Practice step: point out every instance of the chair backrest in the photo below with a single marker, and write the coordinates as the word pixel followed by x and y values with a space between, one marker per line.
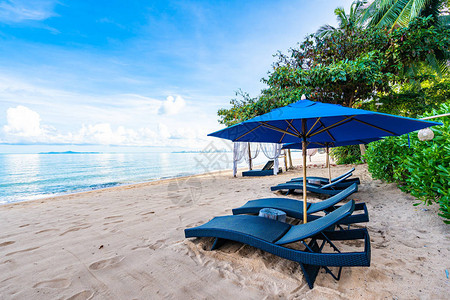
pixel 299 232
pixel 335 182
pixel 322 205
pixel 268 165
pixel 342 175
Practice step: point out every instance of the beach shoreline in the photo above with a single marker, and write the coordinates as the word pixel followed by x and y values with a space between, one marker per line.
pixel 318 159
pixel 128 243
pixel 119 187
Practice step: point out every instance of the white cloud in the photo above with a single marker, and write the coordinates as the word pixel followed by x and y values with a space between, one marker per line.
pixel 23 122
pixel 163 131
pixel 16 11
pixel 184 133
pixel 172 106
pixel 24 126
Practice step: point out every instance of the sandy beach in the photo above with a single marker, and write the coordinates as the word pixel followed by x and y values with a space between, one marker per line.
pixel 128 243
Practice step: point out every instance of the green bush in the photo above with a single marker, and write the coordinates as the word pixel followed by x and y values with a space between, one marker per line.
pixel 346 155
pixel 384 157
pixel 422 169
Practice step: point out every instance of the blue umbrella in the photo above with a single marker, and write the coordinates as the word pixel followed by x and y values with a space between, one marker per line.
pixel 315 122
pixel 327 145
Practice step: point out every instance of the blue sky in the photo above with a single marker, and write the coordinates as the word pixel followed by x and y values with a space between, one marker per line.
pixel 136 75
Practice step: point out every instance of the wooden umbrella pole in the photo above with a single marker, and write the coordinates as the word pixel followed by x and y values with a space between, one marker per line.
pixel 290 158
pixel 304 181
pixel 250 166
pixel 328 163
pixel 304 145
pixel 285 159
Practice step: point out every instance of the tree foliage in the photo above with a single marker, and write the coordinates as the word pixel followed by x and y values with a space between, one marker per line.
pixel 399 13
pixel 411 99
pixel 345 67
pixel 392 14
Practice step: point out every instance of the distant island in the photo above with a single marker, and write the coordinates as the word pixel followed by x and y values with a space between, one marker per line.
pixel 70 152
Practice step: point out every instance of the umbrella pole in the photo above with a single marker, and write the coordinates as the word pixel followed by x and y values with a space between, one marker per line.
pixel 250 164
pixel 304 145
pixel 328 163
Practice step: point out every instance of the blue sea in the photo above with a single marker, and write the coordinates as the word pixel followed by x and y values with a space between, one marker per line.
pixel 33 176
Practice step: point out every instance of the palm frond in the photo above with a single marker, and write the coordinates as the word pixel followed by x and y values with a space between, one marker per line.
pixel 417 7
pixel 356 10
pixel 434 64
pixel 369 11
pixel 341 17
pixel 432 8
pixel 381 9
pixel 325 30
pixel 444 66
pixel 403 18
pixel 391 14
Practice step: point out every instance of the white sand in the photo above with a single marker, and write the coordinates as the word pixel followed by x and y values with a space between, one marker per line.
pixel 128 243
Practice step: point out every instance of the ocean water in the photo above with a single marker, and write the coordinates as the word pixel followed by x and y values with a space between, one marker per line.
pixel 33 176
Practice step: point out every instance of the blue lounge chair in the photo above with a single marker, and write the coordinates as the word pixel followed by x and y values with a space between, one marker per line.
pixel 267 170
pixel 294 208
pixel 271 236
pixel 322 180
pixel 328 189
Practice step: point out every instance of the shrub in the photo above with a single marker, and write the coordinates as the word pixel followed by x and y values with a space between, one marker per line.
pixel 422 169
pixel 384 157
pixel 346 154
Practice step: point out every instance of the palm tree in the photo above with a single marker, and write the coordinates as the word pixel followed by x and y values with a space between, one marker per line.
pixel 345 22
pixel 398 13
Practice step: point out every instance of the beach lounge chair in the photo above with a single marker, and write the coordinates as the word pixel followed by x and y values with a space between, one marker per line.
pixel 322 180
pixel 272 236
pixel 328 189
pixel 267 170
pixel 294 208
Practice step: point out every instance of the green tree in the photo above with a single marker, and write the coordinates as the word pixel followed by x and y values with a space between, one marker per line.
pixel 411 99
pixel 344 67
pixel 400 13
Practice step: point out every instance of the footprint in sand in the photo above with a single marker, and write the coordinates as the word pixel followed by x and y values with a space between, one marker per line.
pixel 112 217
pixel 101 264
pixel 158 244
pixel 113 222
pixel 84 295
pixel 46 230
pixel 74 229
pixel 20 251
pixel 376 275
pixel 6 243
pixel 54 283
pixel 140 247
pixel 148 213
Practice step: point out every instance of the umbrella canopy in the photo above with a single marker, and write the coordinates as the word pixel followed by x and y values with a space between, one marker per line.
pixel 315 122
pixel 319 122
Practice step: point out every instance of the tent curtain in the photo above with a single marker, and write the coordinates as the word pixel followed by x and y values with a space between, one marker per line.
pixel 253 154
pixel 239 151
pixel 272 151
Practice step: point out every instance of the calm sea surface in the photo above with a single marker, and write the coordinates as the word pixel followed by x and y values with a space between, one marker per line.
pixel 33 176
